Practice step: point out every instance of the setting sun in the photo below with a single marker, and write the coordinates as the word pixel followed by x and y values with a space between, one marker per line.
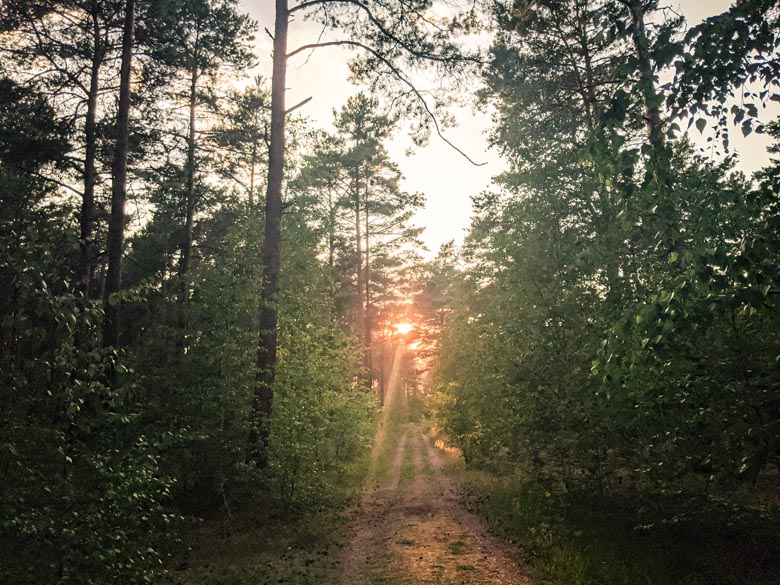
pixel 403 328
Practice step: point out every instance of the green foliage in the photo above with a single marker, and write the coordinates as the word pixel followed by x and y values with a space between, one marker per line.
pixel 29 134
pixel 730 55
pixel 696 361
pixel 586 540
pixel 199 37
pixel 103 453
pixel 322 421
pixel 199 360
pixel 352 188
pixel 610 330
pixel 83 500
pixel 615 329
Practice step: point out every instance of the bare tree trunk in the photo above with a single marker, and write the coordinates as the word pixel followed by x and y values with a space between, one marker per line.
pixel 116 225
pixel 253 164
pixel 647 79
pixel 186 249
pixel 589 91
pixel 331 243
pixel 87 247
pixel 272 247
pixel 360 321
pixel 367 314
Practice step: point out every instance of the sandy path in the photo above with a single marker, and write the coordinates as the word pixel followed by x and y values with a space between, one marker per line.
pixel 410 528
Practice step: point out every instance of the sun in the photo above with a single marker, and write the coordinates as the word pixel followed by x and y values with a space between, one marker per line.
pixel 403 328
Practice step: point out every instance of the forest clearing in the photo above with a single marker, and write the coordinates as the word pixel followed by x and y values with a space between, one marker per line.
pixel 389 292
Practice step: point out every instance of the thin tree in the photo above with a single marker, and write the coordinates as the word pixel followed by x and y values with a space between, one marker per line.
pixel 116 226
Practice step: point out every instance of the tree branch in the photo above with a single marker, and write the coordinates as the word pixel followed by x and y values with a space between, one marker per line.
pixel 398 75
pixel 296 106
pixel 387 33
pixel 309 4
pixel 56 182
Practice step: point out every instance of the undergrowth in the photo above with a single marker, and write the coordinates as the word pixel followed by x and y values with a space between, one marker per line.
pixel 265 544
pixel 588 540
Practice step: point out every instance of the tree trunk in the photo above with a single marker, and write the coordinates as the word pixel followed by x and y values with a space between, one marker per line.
pixel 589 91
pixel 266 351
pixel 116 225
pixel 647 79
pixel 367 314
pixel 253 164
pixel 358 243
pixel 331 244
pixel 359 269
pixel 664 223
pixel 186 249
pixel 87 248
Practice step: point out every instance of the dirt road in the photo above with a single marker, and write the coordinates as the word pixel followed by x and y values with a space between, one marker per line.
pixel 410 527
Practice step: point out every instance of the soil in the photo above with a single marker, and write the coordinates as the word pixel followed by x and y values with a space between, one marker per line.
pixel 411 527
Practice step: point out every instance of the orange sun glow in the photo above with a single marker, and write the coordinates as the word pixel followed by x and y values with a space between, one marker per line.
pixel 403 328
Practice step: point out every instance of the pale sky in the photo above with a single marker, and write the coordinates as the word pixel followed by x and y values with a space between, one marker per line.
pixel 445 177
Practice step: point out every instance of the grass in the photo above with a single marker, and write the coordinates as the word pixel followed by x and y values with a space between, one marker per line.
pixel 408 469
pixel 384 451
pixel 585 541
pixel 466 568
pixel 457 547
pixel 415 408
pixel 399 417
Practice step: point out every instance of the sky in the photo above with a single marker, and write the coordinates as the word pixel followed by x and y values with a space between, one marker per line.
pixel 444 176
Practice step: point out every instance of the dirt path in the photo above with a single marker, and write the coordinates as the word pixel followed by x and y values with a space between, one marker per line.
pixel 410 527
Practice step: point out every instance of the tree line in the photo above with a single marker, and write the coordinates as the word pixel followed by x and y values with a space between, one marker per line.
pixel 614 332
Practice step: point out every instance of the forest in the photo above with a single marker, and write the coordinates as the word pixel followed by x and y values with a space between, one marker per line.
pixel 227 357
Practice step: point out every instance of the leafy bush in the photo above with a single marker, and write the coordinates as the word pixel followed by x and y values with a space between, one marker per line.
pixel 322 419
